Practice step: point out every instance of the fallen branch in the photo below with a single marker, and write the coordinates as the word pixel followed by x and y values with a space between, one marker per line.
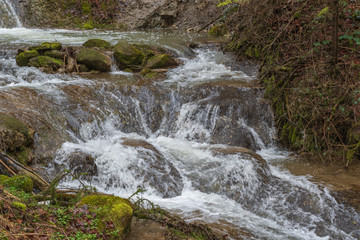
pixel 11 167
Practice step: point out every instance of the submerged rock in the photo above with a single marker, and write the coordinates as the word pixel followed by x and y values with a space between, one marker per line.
pixel 94 59
pixel 128 56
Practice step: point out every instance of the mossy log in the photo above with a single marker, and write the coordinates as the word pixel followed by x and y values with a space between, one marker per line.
pixel 11 167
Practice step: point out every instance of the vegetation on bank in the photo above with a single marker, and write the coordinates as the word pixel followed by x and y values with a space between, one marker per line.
pixel 309 57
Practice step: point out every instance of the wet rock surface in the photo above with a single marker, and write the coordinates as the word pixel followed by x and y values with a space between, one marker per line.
pixel 159 173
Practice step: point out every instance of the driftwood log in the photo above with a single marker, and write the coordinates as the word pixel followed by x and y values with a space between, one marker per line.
pixel 11 167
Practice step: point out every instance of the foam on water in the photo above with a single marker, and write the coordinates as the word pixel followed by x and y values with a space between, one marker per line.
pixel 210 181
pixel 207 66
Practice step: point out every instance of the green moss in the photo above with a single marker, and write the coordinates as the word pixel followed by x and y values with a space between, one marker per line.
pixel 323 13
pixel 3 178
pixel 161 61
pixel 15 124
pixel 128 56
pixel 46 62
pixel 99 43
pixel 86 7
pixel 94 59
pixel 23 155
pixel 19 182
pixel 114 209
pixel 23 58
pixel 47 46
pixel 19 206
pixel 87 26
pixel 218 31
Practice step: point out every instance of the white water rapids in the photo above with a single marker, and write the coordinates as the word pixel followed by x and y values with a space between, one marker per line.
pixel 186 159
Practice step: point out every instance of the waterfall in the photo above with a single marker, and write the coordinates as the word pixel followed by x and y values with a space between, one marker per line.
pixel 8 16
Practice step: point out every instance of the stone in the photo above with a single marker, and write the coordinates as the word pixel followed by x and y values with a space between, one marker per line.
pixel 94 59
pixel 112 209
pixel 80 163
pixel 55 54
pixel 46 62
pixel 23 58
pixel 128 56
pixel 161 61
pixel 16 138
pixel 98 43
pixel 47 46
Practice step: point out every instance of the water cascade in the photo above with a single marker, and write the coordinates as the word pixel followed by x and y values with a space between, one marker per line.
pixel 8 17
pixel 201 142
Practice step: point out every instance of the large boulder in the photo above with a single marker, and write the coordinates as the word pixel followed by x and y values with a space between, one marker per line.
pixel 23 58
pixel 161 61
pixel 98 43
pixel 113 210
pixel 94 59
pixel 46 62
pixel 128 56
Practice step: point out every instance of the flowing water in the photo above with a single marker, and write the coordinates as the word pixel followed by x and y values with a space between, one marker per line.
pixel 183 139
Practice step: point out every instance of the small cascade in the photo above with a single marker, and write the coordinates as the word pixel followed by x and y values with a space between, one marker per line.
pixel 8 17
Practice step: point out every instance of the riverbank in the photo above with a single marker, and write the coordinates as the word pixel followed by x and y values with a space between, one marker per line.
pixel 311 80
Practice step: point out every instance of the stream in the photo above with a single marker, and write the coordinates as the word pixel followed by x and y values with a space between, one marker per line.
pixel 202 142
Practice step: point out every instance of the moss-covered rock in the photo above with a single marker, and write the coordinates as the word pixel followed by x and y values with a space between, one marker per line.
pixel 19 182
pixel 47 46
pixel 23 58
pixel 99 43
pixel 94 59
pixel 46 62
pixel 113 209
pixel 15 137
pixel 13 133
pixel 218 31
pixel 161 61
pixel 128 56
pixel 55 54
